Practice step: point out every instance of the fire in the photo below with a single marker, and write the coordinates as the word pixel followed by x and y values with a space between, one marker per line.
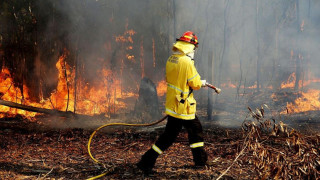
pixel 74 94
pixel 9 92
pixel 130 57
pixel 60 99
pixel 127 39
pixel 290 82
pixel 228 85
pixel 102 98
pixel 309 101
pixel 162 88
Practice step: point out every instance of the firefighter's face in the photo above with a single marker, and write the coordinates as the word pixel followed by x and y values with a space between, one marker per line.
pixel 191 54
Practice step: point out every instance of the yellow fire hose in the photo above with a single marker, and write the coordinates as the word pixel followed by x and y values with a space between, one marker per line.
pixel 114 124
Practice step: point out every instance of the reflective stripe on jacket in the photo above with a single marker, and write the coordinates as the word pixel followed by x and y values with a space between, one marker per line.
pixel 181 76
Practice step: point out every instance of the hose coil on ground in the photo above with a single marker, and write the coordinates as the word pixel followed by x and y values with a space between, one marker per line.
pixel 114 124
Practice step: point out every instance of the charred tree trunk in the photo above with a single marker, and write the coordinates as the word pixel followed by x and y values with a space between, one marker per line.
pixel 309 9
pixel 36 109
pixel 147 105
pixel 298 72
pixel 210 78
pixel 225 41
pixel 275 69
pixel 241 54
pixel 258 47
pixel 174 18
pixel 75 80
pixel 67 83
pixel 299 55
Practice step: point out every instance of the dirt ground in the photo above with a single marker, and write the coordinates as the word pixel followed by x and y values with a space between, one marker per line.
pixel 29 151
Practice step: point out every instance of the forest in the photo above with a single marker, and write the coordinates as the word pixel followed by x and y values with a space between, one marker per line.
pixel 69 67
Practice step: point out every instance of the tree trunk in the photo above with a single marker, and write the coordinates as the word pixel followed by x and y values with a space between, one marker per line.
pixel 147 104
pixel 67 83
pixel 225 34
pixel 75 80
pixel 258 47
pixel 299 55
pixel 309 9
pixel 174 18
pixel 52 112
pixel 35 109
pixel 240 53
pixel 210 78
pixel 225 42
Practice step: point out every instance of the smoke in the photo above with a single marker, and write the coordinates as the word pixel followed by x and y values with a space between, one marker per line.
pixel 246 41
pixel 279 35
pixel 236 35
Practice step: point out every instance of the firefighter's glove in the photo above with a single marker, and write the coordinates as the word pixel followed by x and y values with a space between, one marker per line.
pixel 203 83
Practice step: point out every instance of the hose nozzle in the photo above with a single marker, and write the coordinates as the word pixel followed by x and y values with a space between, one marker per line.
pixel 217 90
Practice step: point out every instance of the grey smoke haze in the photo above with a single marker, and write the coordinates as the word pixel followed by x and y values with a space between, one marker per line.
pixel 230 29
pixel 228 26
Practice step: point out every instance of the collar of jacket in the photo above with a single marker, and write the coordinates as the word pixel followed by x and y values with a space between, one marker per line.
pixel 183 47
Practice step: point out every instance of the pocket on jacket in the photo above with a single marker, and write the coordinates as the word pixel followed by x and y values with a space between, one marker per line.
pixel 182 105
pixel 191 105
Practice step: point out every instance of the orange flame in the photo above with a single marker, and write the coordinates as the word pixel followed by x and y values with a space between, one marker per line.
pixel 60 99
pixel 228 85
pixel 103 98
pixel 290 82
pixel 9 92
pixel 127 39
pixel 309 101
pixel 162 88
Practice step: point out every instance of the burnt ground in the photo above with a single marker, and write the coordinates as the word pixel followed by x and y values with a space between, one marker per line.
pixel 32 151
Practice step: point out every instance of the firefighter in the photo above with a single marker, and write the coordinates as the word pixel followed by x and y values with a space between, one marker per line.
pixel 182 78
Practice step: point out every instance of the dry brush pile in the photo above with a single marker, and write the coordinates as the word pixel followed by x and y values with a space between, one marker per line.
pixel 276 150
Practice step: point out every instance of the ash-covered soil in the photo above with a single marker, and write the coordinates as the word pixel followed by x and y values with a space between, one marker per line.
pixel 31 152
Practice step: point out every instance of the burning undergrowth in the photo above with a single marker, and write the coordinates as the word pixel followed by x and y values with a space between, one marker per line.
pixel 73 94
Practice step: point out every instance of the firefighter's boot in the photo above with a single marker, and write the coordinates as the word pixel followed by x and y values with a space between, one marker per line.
pixel 147 161
pixel 199 156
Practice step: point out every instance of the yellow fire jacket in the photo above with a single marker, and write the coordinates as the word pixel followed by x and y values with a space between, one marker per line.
pixel 181 77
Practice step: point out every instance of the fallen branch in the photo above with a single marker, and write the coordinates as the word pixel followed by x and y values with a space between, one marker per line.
pixel 43 110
